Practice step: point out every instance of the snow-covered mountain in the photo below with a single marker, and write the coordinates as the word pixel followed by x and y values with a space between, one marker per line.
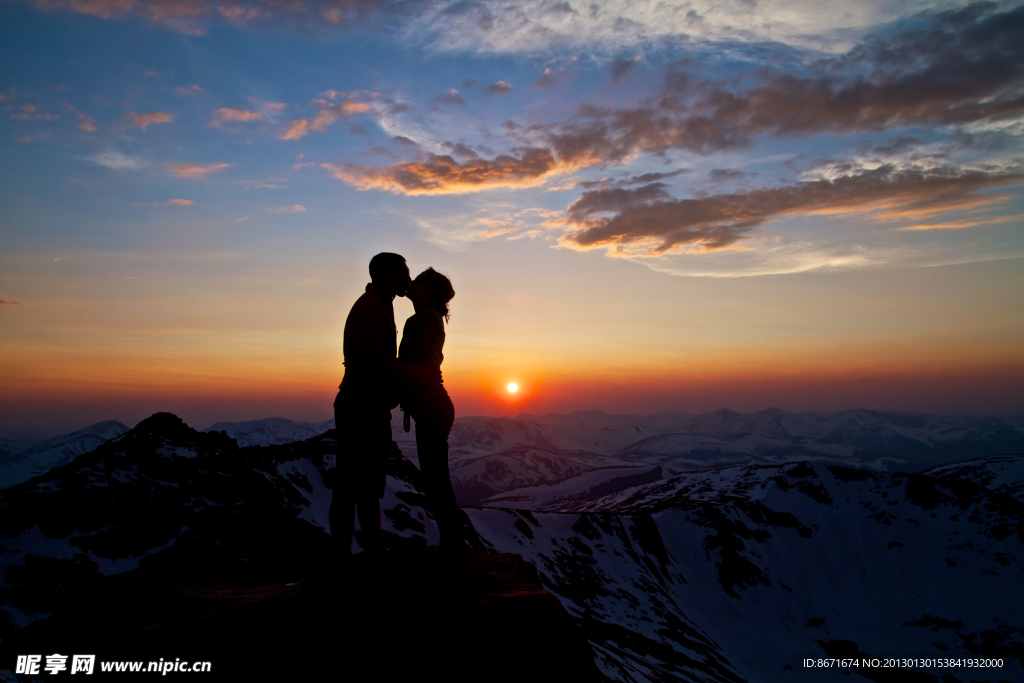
pixel 525 462
pixel 720 574
pixel 998 473
pixel 271 431
pixel 21 460
pixel 740 573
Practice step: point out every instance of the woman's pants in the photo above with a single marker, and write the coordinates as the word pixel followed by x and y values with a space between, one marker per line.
pixel 434 421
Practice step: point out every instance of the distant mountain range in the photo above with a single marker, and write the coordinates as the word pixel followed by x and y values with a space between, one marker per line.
pixel 726 571
pixel 21 459
pixel 549 462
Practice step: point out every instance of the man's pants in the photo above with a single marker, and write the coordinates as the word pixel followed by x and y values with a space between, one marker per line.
pixel 364 439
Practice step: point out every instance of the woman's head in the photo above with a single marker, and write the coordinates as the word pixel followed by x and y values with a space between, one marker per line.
pixel 435 289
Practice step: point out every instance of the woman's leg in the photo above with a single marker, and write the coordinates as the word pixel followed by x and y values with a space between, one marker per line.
pixel 432 446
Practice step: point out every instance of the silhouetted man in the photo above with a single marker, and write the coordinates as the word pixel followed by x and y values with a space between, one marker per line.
pixel 362 410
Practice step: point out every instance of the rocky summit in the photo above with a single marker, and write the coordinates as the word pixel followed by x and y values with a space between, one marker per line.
pixel 170 543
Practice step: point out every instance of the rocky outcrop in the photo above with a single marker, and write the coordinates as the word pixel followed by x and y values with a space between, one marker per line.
pixel 402 616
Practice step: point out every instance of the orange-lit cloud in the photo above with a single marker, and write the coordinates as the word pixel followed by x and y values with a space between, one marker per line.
pixel 296 130
pixel 5 302
pixel 143 121
pixel 649 221
pixel 30 112
pixel 444 175
pixel 969 223
pixel 181 15
pixel 194 170
pixel 226 115
pixel 88 124
pixel 328 114
pixel 169 202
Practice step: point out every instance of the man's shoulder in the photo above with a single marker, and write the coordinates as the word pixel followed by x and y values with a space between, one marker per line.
pixel 369 303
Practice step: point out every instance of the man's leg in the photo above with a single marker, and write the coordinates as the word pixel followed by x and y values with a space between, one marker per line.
pixel 342 513
pixel 342 516
pixel 368 510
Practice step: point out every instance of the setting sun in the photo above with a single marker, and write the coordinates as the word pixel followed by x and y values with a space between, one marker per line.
pixel 512 387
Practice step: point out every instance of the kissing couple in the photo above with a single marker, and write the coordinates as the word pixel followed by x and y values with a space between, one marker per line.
pixel 380 375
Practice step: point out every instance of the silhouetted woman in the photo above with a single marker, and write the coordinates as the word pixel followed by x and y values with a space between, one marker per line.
pixel 428 403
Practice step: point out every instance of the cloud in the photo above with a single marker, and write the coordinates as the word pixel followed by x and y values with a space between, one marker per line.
pixel 610 27
pixel 180 170
pixel 966 66
pixel 622 67
pixel 499 88
pixel 5 302
pixel 296 130
pixel 30 112
pixel 143 121
pixel 118 161
pixel 454 232
pixel 724 175
pixel 179 202
pixel 969 223
pixel 226 115
pixel 451 97
pixel 190 90
pixel 549 78
pixel 294 208
pixel 328 114
pixel 648 221
pixel 88 124
pixel 444 175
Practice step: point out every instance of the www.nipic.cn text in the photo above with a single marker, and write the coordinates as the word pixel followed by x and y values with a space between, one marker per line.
pixel 86 664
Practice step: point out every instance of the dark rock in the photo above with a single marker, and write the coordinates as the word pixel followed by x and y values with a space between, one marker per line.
pixel 402 616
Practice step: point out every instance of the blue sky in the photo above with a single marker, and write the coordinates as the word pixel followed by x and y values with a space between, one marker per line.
pixel 642 205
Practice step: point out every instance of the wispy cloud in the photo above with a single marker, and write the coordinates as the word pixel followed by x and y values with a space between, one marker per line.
pixel 294 208
pixel 536 26
pixel 190 90
pixel 169 202
pixel 226 115
pixel 118 162
pixel 5 302
pixel 649 221
pixel 181 170
pixel 967 223
pixel 143 121
pixel 454 232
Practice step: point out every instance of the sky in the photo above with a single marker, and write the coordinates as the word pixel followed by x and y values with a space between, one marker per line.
pixel 642 206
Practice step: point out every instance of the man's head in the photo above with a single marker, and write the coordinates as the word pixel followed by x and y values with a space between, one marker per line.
pixel 390 274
